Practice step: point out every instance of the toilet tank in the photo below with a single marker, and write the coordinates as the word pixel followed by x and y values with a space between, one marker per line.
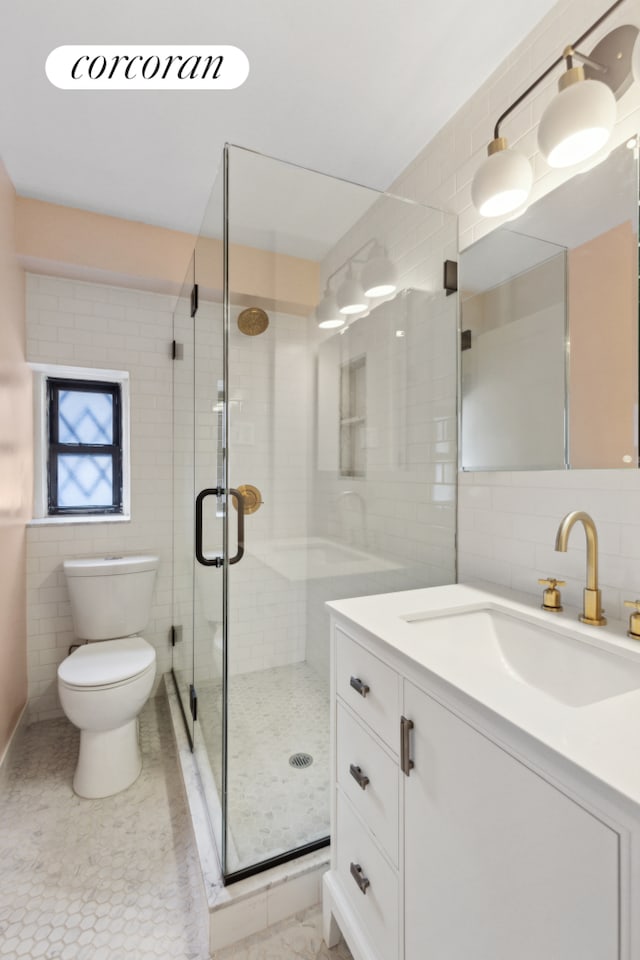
pixel 110 596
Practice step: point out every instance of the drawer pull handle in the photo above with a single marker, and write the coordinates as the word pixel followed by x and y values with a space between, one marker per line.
pixel 358 685
pixel 360 778
pixel 359 877
pixel 406 763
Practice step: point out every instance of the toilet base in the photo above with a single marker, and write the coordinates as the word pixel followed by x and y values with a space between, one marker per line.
pixel 109 761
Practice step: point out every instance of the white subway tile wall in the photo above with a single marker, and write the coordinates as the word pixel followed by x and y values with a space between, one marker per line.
pixel 271 393
pixel 401 513
pixel 270 416
pixel 93 325
pixel 507 525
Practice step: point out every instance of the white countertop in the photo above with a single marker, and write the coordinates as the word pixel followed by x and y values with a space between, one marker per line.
pixel 601 738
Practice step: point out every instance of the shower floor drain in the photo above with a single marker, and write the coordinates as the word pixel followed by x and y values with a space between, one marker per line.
pixel 301 760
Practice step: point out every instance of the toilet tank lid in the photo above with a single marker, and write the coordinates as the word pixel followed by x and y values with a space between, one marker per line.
pixel 107 661
pixel 109 566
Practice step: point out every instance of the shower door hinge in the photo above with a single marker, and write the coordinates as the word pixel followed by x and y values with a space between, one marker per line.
pixel 176 635
pixel 193 701
pixel 465 339
pixel 450 276
pixel 177 350
pixel 194 300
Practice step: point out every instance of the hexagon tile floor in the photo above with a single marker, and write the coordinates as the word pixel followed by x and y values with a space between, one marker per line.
pixel 97 879
pixel 113 879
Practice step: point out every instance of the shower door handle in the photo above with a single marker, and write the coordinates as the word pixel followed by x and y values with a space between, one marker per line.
pixel 217 492
pixel 200 557
pixel 240 504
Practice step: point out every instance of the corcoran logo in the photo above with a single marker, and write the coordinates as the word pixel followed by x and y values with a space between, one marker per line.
pixel 96 67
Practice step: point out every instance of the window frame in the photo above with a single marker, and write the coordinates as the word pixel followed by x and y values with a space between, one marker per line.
pixel 102 378
pixel 55 386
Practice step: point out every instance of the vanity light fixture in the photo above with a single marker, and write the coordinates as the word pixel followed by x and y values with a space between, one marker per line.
pixel 377 278
pixel 575 125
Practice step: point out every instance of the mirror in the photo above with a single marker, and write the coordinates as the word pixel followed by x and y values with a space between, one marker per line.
pixel 549 310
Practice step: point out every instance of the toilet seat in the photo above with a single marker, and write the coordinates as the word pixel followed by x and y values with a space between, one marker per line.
pixel 107 663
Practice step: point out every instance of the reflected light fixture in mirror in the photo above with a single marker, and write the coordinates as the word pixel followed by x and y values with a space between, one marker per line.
pixel 350 295
pixel 377 279
pixel 575 125
pixel 379 274
pixel 327 313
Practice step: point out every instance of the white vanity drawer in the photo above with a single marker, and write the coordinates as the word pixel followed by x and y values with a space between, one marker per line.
pixel 369 686
pixel 369 778
pixel 376 908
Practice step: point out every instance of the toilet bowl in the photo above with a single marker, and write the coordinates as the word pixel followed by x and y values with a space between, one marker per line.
pixel 103 686
pixel 106 681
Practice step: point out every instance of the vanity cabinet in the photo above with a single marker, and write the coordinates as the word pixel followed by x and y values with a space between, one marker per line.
pixel 498 863
pixel 449 847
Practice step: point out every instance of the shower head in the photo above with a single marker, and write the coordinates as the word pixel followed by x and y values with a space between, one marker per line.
pixel 252 321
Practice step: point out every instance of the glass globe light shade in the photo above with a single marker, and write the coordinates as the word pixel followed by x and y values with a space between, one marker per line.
pixel 503 182
pixel 578 121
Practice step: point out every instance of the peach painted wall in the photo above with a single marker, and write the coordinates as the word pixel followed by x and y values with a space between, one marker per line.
pixel 66 242
pixel 603 356
pixel 15 471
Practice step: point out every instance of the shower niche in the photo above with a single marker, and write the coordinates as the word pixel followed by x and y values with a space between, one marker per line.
pixel 320 449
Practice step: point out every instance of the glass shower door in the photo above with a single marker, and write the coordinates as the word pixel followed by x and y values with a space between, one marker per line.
pixel 342 442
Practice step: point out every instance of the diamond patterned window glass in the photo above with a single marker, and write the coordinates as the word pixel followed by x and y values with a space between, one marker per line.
pixel 85 447
pixel 85 417
pixel 85 481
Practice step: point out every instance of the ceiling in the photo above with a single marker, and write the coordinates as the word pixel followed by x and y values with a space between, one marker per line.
pixel 354 89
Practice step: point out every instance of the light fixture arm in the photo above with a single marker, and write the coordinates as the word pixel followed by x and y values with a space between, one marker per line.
pixel 594 64
pixel 352 259
pixel 567 55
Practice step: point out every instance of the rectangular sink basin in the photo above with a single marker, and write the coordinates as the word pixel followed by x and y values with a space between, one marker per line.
pixel 493 643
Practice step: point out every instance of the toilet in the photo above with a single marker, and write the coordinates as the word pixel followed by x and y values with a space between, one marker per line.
pixel 106 681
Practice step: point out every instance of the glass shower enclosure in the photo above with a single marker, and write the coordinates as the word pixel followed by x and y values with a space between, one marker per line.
pixel 314 459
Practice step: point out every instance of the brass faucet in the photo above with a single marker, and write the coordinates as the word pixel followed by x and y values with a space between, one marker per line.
pixel 592 604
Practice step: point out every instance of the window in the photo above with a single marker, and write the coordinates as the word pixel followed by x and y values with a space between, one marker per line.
pixel 85 447
pixel 82 431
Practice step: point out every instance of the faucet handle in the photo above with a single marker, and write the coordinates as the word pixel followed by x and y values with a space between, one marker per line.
pixel 551 599
pixel 634 619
